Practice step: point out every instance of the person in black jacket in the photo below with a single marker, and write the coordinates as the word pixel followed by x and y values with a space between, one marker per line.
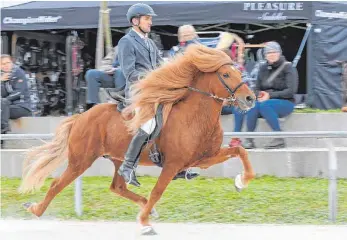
pixel 15 98
pixel 275 96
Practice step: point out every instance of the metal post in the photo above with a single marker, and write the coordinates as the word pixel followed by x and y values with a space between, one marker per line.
pixel 68 80
pixel 332 181
pixel 78 196
pixel 303 42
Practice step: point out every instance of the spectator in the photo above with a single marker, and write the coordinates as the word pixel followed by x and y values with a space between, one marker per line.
pixel 250 79
pixel 186 35
pixel 277 82
pixel 109 76
pixel 238 115
pixel 15 97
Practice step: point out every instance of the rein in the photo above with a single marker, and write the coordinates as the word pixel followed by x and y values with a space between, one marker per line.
pixel 232 97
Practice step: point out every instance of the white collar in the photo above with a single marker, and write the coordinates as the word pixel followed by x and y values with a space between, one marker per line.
pixel 141 35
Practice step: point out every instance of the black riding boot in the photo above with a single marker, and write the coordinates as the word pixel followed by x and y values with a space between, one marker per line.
pixel 89 106
pixel 127 169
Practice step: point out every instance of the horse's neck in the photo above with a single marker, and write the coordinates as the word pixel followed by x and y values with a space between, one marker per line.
pixel 204 108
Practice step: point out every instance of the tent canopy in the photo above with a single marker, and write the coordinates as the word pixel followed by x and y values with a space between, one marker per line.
pixel 47 15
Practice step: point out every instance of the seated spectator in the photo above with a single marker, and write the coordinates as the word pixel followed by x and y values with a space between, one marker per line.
pixel 186 35
pixel 238 115
pixel 250 80
pixel 276 84
pixel 15 97
pixel 108 76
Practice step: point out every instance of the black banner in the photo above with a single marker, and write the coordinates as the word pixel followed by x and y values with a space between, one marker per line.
pixel 82 15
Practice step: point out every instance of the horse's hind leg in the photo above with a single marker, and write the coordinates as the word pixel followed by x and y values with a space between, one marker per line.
pixel 119 187
pixel 226 153
pixel 69 175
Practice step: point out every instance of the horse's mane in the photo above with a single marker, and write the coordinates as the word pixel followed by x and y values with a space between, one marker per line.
pixel 167 84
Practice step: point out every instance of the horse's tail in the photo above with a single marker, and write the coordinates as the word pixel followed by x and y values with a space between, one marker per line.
pixel 41 161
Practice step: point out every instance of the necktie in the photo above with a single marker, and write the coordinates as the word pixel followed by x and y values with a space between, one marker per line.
pixel 146 42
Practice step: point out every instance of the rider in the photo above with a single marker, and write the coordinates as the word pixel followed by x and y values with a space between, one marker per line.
pixel 138 53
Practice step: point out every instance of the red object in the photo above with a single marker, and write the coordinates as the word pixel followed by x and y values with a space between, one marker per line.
pixel 235 142
pixel 233 51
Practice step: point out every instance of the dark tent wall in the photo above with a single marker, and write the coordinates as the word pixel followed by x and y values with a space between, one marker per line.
pixel 327 44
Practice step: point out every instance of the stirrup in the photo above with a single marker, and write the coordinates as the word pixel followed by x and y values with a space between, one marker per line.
pixel 131 181
pixel 189 171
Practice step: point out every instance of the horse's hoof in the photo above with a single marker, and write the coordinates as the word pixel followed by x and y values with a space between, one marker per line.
pixel 239 186
pixel 154 213
pixel 148 231
pixel 28 205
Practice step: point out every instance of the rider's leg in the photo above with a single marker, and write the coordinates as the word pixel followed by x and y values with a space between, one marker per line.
pixel 132 156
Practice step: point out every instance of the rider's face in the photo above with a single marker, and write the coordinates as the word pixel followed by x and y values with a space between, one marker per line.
pixel 145 23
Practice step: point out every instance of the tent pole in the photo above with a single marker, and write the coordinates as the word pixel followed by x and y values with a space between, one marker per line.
pixel 303 42
pixel 99 53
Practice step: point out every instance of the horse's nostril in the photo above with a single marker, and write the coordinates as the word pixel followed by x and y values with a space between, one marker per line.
pixel 249 99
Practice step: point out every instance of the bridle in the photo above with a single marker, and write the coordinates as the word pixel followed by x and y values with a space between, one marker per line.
pixel 231 99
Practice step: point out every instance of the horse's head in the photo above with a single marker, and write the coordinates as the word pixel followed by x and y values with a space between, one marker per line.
pixel 229 85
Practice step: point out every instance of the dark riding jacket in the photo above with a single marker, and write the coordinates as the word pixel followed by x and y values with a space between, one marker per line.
pixel 136 57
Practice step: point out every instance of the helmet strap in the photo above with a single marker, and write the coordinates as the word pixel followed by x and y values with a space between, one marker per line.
pixel 138 25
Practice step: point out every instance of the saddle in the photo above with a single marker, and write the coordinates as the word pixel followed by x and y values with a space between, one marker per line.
pixel 154 154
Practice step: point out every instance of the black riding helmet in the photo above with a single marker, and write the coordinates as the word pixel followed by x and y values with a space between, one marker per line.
pixel 138 10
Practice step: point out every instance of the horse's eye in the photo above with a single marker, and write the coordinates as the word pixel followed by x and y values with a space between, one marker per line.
pixel 226 75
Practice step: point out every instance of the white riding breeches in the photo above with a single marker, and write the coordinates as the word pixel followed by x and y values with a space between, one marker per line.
pixel 148 126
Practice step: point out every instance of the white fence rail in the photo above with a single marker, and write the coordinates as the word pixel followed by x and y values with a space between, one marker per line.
pixel 303 134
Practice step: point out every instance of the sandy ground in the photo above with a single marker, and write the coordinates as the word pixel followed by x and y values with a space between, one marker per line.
pixel 66 230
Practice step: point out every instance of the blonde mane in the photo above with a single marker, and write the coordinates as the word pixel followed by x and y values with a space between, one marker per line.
pixel 167 84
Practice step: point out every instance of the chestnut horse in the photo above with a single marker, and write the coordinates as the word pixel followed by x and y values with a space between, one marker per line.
pixel 191 88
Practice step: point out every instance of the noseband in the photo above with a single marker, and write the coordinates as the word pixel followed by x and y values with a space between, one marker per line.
pixel 231 99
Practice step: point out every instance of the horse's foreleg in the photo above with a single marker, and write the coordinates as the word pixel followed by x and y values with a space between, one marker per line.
pixel 226 153
pixel 167 174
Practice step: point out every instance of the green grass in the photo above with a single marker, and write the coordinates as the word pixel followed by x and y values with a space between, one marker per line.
pixel 267 200
pixel 314 110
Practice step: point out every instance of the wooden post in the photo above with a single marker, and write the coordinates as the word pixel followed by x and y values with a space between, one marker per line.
pixel 107 29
